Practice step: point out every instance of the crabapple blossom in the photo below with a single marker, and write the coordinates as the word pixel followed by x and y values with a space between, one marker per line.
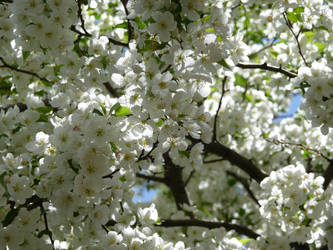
pixel 99 99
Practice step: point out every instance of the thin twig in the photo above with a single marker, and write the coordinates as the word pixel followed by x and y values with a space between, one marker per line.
pixel 129 28
pixel 145 157
pixel 49 233
pixel 299 145
pixel 112 174
pixel 189 177
pixel 264 66
pixel 219 106
pixel 290 26
pixel 79 14
pixel 245 184
pixel 263 48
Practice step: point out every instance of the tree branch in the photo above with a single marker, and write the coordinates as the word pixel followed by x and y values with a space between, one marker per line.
pixel 111 90
pixel 245 184
pixel 264 66
pixel 47 229
pixel 22 106
pixel 151 178
pixel 328 175
pixel 129 28
pixel 6 65
pixel 234 158
pixel 174 180
pixel 112 174
pixel 86 33
pixel 210 225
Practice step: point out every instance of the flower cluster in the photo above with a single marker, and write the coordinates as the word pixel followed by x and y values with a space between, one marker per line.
pixel 293 204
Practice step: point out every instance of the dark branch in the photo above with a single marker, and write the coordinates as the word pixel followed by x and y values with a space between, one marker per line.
pixel 219 106
pixel 147 156
pixel 151 178
pixel 174 180
pixel 234 158
pixel 115 42
pixel 85 33
pixel 111 90
pixel 245 184
pixel 22 106
pixel 129 28
pixel 79 14
pixel 112 174
pixel 264 66
pixel 210 225
pixel 328 175
pixel 47 229
pixel 6 65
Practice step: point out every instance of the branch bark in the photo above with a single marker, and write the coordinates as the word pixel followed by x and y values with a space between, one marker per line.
pixel 6 65
pixel 264 66
pixel 210 225
pixel 235 158
pixel 328 175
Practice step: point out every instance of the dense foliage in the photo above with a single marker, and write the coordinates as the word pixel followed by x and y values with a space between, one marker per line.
pixel 177 96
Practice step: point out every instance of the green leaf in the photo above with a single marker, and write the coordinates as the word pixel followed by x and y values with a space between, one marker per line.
pixel 249 97
pixel 45 109
pixel 10 216
pixel 245 241
pixel 56 69
pixel 46 83
pixel 273 53
pixel 321 47
pixel 123 111
pixel 309 35
pixel 240 80
pixel 25 54
pixel 292 17
pixel 121 25
pixel 159 123
pixel 184 153
pixel 223 63
pixel 114 107
pixel 96 111
pixel 103 107
pixel 114 147
pixel 295 15
pixel 122 178
pixel 246 22
pixel 40 93
pixel 141 25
